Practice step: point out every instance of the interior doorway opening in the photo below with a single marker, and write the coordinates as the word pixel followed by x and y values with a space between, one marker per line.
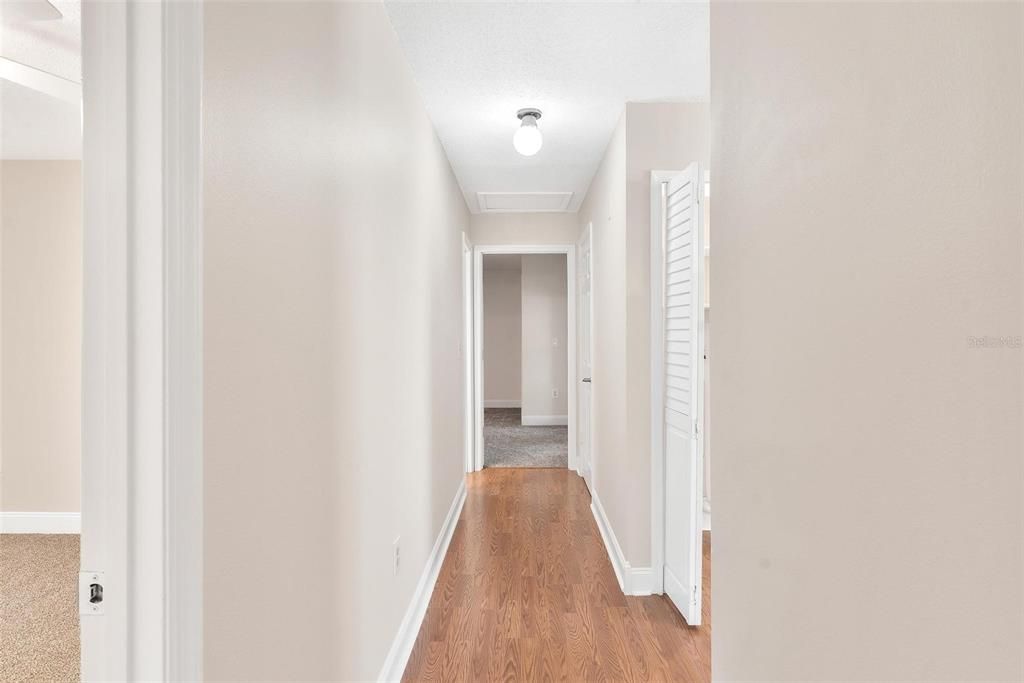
pixel 525 356
pixel 41 334
pixel 40 416
pixel 525 368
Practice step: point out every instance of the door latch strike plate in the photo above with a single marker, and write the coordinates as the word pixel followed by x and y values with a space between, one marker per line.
pixel 90 593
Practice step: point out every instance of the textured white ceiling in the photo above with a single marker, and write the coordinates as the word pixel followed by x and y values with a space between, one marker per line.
pixel 53 46
pixel 37 126
pixel 477 63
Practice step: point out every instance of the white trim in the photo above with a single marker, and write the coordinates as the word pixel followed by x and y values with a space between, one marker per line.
pixel 183 339
pixel 641 581
pixel 657 399
pixel 105 544
pixel 40 81
pixel 632 580
pixel 466 352
pixel 478 351
pixel 142 338
pixel 401 646
pixel 544 420
pixel 502 403
pixel 478 359
pixel 611 544
pixel 40 523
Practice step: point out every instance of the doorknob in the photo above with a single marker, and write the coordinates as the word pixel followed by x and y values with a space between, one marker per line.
pixel 586 379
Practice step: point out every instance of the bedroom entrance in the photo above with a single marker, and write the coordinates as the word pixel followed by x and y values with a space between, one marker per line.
pixel 525 346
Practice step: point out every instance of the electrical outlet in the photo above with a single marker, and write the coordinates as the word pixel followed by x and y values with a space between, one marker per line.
pixel 397 553
pixel 554 341
pixel 554 393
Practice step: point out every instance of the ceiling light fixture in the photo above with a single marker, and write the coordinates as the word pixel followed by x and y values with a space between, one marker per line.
pixel 527 139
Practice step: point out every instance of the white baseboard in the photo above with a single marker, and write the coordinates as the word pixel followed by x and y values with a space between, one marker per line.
pixel 502 403
pixel 707 515
pixel 40 523
pixel 544 420
pixel 632 580
pixel 641 581
pixel 401 647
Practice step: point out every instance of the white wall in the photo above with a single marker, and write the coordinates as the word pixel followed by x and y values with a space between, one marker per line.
pixel 41 326
pixel 332 320
pixel 650 136
pixel 867 165
pixel 502 329
pixel 545 329
pixel 523 228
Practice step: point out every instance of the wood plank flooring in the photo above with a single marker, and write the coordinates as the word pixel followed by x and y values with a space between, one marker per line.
pixel 527 592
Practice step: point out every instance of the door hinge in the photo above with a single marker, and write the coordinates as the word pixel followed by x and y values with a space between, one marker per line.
pixel 90 593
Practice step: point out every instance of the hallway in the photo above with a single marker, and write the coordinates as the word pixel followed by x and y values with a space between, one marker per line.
pixel 527 593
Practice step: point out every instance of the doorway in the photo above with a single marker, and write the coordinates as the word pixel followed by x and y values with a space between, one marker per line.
pixel 525 356
pixel 40 393
pixel 41 330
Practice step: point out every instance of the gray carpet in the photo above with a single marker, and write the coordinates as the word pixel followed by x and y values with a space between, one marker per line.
pixel 507 443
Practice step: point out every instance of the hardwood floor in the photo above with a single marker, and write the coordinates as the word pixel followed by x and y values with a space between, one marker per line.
pixel 527 592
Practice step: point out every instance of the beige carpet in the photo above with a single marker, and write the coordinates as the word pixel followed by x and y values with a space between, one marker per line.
pixel 39 639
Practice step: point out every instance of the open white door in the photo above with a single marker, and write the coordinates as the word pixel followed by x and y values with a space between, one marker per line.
pixel 584 272
pixel 466 349
pixel 681 386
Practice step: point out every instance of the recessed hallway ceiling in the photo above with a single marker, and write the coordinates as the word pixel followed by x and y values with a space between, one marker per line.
pixel 477 63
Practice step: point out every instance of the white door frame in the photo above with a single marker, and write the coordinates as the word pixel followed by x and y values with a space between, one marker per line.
pixel 657 387
pixel 478 335
pixel 588 235
pixel 142 340
pixel 468 353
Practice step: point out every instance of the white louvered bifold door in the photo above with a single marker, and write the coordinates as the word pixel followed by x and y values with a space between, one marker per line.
pixel 683 311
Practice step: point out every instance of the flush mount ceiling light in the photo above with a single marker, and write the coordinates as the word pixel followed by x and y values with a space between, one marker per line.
pixel 527 139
